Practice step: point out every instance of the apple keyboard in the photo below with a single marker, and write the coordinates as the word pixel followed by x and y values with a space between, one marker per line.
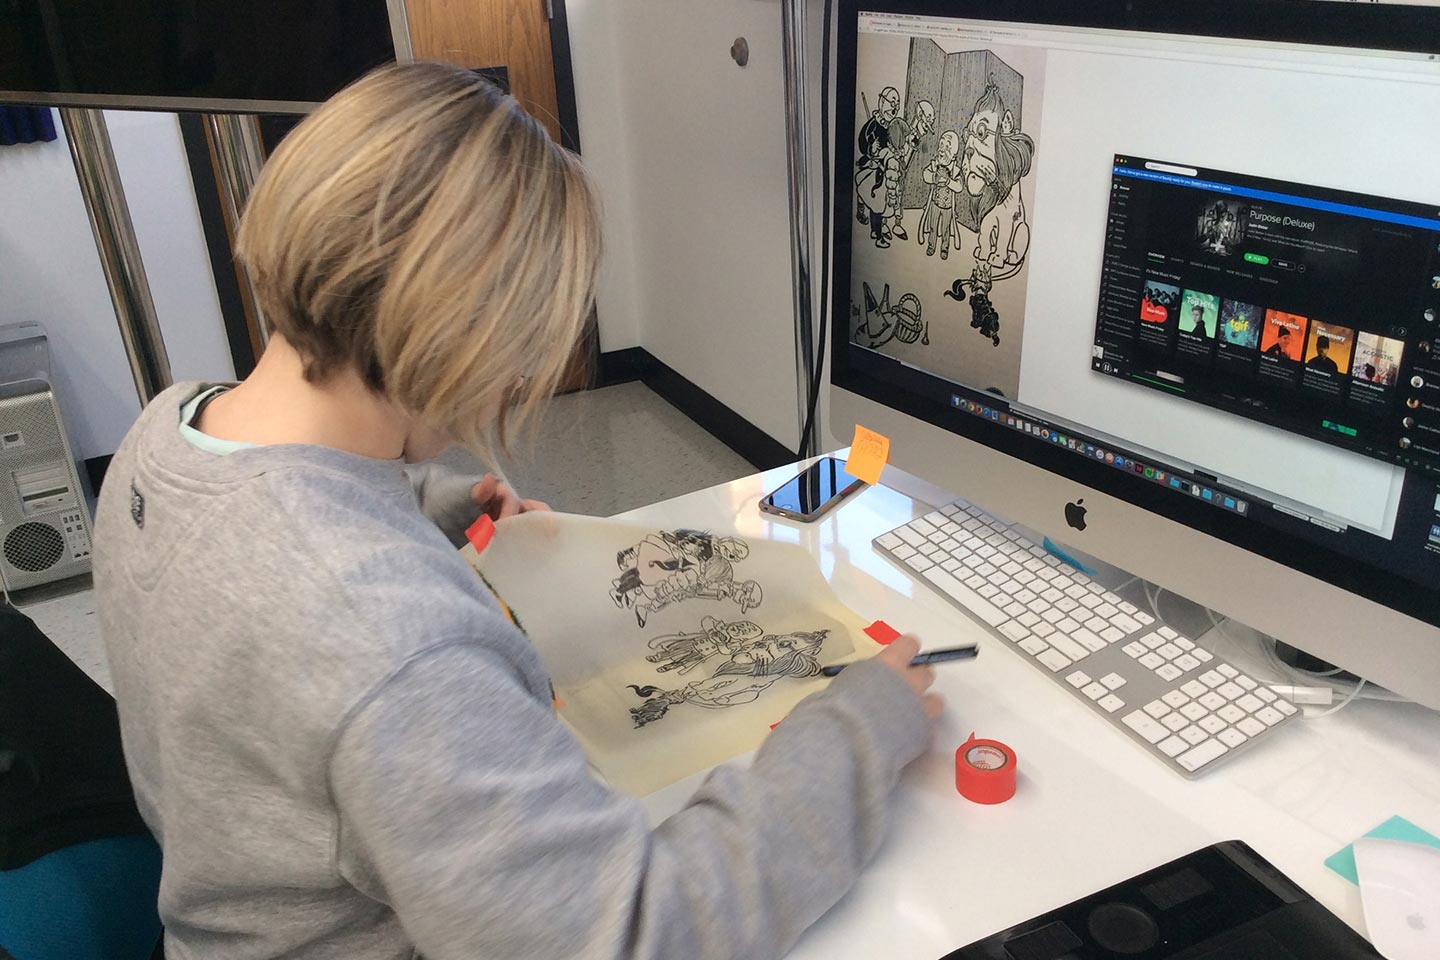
pixel 1177 700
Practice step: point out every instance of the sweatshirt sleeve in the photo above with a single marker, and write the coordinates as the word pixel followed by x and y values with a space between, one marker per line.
pixel 444 496
pixel 469 808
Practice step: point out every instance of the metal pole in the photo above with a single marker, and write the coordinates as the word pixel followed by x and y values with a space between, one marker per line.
pixel 239 155
pixel 797 155
pixel 119 250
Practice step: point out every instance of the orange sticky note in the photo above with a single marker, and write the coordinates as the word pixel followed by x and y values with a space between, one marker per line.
pixel 869 452
pixel 882 633
pixel 481 532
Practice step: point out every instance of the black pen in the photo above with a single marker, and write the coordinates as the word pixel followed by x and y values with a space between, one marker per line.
pixel 924 659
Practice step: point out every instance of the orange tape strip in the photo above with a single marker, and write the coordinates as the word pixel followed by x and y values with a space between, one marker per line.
pixel 481 532
pixel 882 633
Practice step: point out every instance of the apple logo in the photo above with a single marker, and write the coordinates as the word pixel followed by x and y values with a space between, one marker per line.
pixel 1075 514
pixel 1416 921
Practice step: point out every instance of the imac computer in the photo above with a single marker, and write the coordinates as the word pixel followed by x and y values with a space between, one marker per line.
pixel 1162 282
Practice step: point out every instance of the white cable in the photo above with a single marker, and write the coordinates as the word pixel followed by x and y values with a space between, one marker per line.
pixel 1340 706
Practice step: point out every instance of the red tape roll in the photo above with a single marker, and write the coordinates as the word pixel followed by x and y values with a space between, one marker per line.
pixel 985 771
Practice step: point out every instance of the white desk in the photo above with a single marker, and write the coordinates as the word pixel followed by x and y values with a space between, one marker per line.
pixel 1092 808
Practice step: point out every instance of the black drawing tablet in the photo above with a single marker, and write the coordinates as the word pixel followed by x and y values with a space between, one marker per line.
pixel 1225 902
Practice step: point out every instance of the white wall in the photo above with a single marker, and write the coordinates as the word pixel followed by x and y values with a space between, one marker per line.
pixel 690 153
pixel 50 272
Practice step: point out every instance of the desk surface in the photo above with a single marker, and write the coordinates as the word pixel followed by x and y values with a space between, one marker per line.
pixel 1092 808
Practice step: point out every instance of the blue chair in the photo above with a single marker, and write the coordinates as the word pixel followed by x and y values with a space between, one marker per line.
pixel 79 872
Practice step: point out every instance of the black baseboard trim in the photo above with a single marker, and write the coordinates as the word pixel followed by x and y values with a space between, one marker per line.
pixel 95 468
pixel 623 366
pixel 749 441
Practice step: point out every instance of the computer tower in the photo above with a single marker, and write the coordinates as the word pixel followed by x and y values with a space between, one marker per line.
pixel 45 526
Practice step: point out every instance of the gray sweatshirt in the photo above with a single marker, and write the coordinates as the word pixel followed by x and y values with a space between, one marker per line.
pixel 345 749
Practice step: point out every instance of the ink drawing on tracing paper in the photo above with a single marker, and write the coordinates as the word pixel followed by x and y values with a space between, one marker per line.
pixel 670 650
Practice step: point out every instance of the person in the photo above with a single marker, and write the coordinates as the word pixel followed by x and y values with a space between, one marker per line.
pixel 342 743
pixel 1320 361
pixel 1197 320
pixel 943 174
pixel 1281 347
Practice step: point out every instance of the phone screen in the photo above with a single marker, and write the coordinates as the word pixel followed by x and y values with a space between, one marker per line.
pixel 819 484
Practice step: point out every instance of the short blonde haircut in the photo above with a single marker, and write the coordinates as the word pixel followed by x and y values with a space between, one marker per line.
pixel 423 230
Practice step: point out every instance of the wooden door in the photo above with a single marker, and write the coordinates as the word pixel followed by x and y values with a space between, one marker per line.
pixel 514 34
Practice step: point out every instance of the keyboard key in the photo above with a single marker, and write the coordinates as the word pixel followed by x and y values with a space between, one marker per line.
pixel 1095 625
pixel 1230 713
pixel 1246 682
pixel 1169 672
pixel 938 537
pixel 1028 619
pixel 1251 726
pixel 1067 646
pixel 919 563
pixel 1193 711
pixel 1107 610
pixel 1206 752
pixel 1128 624
pixel 1062 582
pixel 1232 737
pixel 1156 709
pixel 1153 641
pixel 1176 699
pixel 1088 640
pixel 1135 649
pixel 910 536
pixel 1168 650
pixel 1175 721
pixel 1145 725
pixel 950 545
pixel 1014 631
pixel 1151 660
pixel 951 565
pixel 1090 601
pixel 1110 703
pixel 1095 690
pixel 1286 707
pixel 988 591
pixel 1249 703
pixel 1053 615
pixel 1212 701
pixel 1078 679
pixel 1269 716
pixel 889 541
pixel 1168 633
pixel 1193 735
pixel 1025 576
pixel 950 509
pixel 924 527
pixel 973 582
pixel 1229 671
pixel 1077 592
pixel 1011 568
pixel 1181 642
pixel 1096 589
pixel 1194 688
pixel 966 597
pixel 972 561
pixel 1186 663
pixel 1024 596
pixel 1066 604
pixel 1266 694
pixel 1211 679
pixel 1043 629
pixel 1034 646
pixel 1055 660
pixel 1014 609
pixel 1111 634
pixel 1173 746
pixel 1201 654
pixel 1113 681
pixel 985 570
pixel 931 550
pixel 1052 595
pixel 1067 626
pixel 1212 724
pixel 1144 618
pixel 1230 691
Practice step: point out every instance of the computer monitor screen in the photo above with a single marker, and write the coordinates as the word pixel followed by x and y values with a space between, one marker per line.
pixel 1188 255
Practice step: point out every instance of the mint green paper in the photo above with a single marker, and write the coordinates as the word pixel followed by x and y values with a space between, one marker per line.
pixel 1396 828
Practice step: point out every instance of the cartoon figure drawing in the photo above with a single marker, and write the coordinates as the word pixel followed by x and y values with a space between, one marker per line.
pixel 943 173
pixel 674 566
pixel 884 322
pixel 686 651
pixel 754 667
pixel 887 141
pixel 995 157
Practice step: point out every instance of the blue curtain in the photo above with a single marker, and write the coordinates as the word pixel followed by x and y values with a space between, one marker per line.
pixel 26 125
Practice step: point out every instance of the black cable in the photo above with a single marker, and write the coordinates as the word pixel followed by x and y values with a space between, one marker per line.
pixel 817 378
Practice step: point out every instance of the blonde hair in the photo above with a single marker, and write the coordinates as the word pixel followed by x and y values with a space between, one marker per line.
pixel 423 230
